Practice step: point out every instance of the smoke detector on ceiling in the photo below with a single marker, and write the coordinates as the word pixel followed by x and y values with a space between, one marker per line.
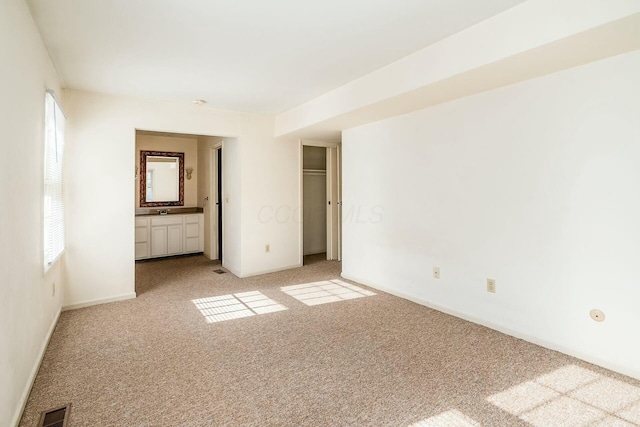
pixel 199 101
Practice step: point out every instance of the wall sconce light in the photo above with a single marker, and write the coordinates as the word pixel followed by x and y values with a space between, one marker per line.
pixel 189 172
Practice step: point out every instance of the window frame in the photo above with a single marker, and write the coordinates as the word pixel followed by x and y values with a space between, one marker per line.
pixel 53 195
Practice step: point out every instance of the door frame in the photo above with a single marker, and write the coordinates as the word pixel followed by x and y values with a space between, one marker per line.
pixel 336 198
pixel 214 227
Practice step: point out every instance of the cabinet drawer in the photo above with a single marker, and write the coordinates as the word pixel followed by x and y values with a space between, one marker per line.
pixel 192 230
pixel 192 219
pixel 142 234
pixel 142 250
pixel 142 222
pixel 167 220
pixel 192 244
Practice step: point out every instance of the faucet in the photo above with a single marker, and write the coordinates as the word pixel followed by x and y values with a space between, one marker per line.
pixel 163 211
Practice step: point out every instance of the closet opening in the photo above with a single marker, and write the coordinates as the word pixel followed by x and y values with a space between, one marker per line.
pixel 314 202
pixel 321 203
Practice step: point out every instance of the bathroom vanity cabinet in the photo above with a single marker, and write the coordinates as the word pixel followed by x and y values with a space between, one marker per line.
pixel 166 235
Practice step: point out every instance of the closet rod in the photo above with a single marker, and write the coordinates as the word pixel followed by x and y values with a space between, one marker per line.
pixel 315 171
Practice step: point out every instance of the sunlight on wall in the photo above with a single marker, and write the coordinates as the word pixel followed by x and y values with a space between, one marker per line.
pixel 235 306
pixel 575 395
pixel 451 418
pixel 325 292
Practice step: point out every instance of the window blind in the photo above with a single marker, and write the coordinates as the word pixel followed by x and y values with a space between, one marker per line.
pixel 53 181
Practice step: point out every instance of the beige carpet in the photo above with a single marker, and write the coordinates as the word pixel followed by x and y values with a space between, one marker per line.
pixel 333 355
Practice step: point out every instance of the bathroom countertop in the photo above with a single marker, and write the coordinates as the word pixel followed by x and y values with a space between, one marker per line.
pixel 172 211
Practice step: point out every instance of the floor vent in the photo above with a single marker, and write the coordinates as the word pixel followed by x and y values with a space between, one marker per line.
pixel 219 271
pixel 57 417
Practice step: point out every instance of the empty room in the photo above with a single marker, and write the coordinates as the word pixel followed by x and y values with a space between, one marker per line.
pixel 305 213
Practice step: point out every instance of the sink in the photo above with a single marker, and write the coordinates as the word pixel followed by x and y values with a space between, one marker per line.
pixel 167 211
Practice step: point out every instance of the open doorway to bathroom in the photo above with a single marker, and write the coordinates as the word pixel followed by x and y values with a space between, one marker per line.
pixel 178 198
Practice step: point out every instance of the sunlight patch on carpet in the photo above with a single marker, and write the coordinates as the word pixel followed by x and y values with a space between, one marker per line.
pixel 451 418
pixel 325 292
pixel 236 306
pixel 572 393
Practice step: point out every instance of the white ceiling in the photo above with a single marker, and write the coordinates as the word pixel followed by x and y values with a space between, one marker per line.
pixel 246 55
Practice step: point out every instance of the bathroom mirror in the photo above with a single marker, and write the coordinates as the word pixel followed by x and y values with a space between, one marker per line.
pixel 161 178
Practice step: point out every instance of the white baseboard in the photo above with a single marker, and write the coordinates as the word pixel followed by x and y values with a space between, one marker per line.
pixel 34 371
pixel 274 270
pixel 505 330
pixel 98 301
pixel 230 270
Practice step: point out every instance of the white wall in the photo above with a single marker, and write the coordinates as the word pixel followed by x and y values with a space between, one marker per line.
pixel 29 308
pixel 270 202
pixel 101 133
pixel 534 185
pixel 232 209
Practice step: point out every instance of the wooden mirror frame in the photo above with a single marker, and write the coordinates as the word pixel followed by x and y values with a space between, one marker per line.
pixel 143 178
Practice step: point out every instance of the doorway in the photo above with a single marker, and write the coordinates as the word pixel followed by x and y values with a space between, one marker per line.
pixel 215 211
pixel 321 202
pixel 314 202
pixel 191 183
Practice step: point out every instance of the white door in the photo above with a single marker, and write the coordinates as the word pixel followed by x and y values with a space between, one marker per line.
pixel 214 206
pixel 142 238
pixel 192 233
pixel 174 239
pixel 159 241
pixel 339 197
pixel 333 203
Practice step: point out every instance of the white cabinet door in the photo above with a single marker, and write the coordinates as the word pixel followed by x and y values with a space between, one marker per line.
pixel 159 241
pixel 142 250
pixel 193 233
pixel 142 238
pixel 160 236
pixel 192 237
pixel 174 239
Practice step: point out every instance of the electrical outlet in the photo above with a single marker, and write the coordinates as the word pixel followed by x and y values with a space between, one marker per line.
pixel 491 285
pixel 267 248
pixel 53 289
pixel 436 272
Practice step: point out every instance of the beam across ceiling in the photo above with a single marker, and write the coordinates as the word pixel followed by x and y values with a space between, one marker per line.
pixel 536 38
